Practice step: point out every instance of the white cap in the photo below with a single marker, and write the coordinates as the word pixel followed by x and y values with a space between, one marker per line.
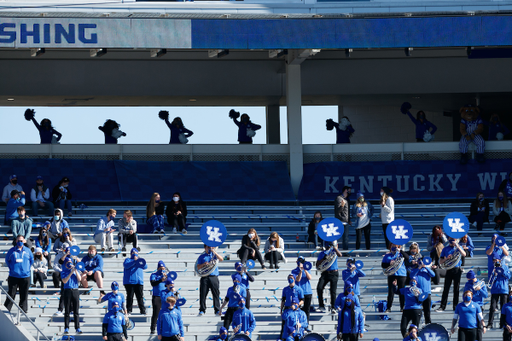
pixel 39 250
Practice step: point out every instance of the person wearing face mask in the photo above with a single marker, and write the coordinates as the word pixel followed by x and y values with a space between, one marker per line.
pixel 105 228
pixel 352 275
pixel 424 275
pixel 58 263
pixel 111 131
pixel 506 319
pixel 387 210
pixel 210 282
pixel 469 315
pixel 412 334
pixel 232 300
pixel 247 278
pixel 246 129
pixel 348 290
pixel 62 196
pixel 479 212
pixel 114 324
pixel 500 287
pixel 452 275
pixel 40 197
pixel 342 212
pixel 243 320
pixel 155 214
pixel 398 278
pixel 46 131
pixel 11 211
pixel 176 213
pixel 19 259
pixel 274 250
pixel 22 226
pixel 491 251
pixel 436 241
pixel 363 211
pixel 467 244
pixel 39 268
pixel 223 334
pixel 11 186
pixel 295 322
pixel 65 237
pixel 179 134
pixel 422 126
pixel 350 321
pixel 502 210
pixel 169 290
pixel 250 248
pixel 289 293
pixel 58 224
pixel 312 234
pixel 70 295
pixel 157 280
pixel 127 231
pixel 412 308
pixel 93 268
pixel 479 294
pixel 497 130
pixel 114 297
pixel 329 276
pixel 506 186
pixel 45 243
pixel 170 323
pixel 133 281
pixel 302 280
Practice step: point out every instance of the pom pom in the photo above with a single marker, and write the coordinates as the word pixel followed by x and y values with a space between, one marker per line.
pixel 29 114
pixel 329 124
pixel 250 133
pixel 499 136
pixel 234 114
pixel 406 106
pixel 427 137
pixel 163 114
pixel 183 139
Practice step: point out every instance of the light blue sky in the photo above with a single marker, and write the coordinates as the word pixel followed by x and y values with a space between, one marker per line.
pixel 211 125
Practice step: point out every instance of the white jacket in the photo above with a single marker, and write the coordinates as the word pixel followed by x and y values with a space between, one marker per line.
pixel 280 249
pixel 387 213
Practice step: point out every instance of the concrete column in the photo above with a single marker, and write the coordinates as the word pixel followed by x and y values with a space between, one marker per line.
pixel 293 104
pixel 273 124
pixel 340 112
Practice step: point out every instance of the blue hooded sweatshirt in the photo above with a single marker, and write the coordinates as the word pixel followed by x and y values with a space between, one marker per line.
pixel 19 262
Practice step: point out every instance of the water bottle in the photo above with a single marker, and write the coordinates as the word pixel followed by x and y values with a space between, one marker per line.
pixel 297 237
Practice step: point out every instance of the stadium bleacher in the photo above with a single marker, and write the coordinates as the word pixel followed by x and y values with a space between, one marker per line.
pixel 180 252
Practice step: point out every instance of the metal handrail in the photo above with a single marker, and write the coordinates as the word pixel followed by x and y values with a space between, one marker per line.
pixel 21 311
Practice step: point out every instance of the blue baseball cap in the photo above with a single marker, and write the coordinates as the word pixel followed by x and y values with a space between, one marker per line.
pixel 236 277
pixel 222 330
pixel 471 275
pixel 114 286
pixel 161 264
pixel 169 281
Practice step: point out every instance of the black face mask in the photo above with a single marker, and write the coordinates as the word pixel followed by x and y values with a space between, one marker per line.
pixel 14 182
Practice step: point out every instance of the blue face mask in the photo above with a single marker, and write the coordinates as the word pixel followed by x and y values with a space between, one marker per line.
pixel 157 201
pixel 19 243
pixel 135 254
pixel 467 298
pixel 413 283
pixel 393 249
pixel 44 235
pixel 291 280
pixel 223 336
pixel 241 304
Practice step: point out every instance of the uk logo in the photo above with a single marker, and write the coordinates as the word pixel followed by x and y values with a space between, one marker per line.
pixel 432 337
pixel 330 230
pixel 213 234
pixel 400 232
pixel 456 225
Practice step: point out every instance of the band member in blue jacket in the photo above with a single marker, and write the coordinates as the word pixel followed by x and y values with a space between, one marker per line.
pixel 348 290
pixel 452 275
pixel 469 315
pixel 210 282
pixel 400 276
pixel 295 322
pixel 499 289
pixel 350 321
pixel 329 276
pixel 133 281
pixel 247 278
pixel 353 274
pixel 479 293
pixel 223 334
pixel 424 275
pixel 70 277
pixel 243 320
pixel 506 319
pixel 114 297
pixel 168 291
pixel 114 324
pixel 412 334
pixel 412 308
pixel 19 259
pixel 170 323
pixel 232 300
pixel 302 279
pixel 157 280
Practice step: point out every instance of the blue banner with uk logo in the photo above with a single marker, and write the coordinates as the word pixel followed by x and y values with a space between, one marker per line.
pixel 330 229
pixel 456 225
pixel 213 233
pixel 399 232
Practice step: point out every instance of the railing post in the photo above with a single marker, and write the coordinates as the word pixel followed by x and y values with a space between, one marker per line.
pixel 402 154
pixel 121 152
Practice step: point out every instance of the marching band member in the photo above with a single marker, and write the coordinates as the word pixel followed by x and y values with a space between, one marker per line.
pixel 340 300
pixel 289 292
pixel 328 276
pixel 350 321
pixel 302 280
pixel 452 275
pixel 247 278
pixel 352 274
pixel 470 315
pixel 502 251
pixel 133 281
pixel 479 293
pixel 114 324
pixel 399 276
pixel 157 280
pixel 70 277
pixel 243 320
pixel 424 275
pixel 114 297
pixel 223 334
pixel 231 300
pixel 506 319
pixel 168 291
pixel 412 334
pixel 295 322
pixel 499 289
pixel 170 323
pixel 210 282
pixel 412 308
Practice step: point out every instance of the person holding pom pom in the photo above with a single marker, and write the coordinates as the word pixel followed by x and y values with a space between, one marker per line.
pixel 47 134
pixel 246 129
pixel 344 129
pixel 179 134
pixel 425 129
pixel 497 130
pixel 111 130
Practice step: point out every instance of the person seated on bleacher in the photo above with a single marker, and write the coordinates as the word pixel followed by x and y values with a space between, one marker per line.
pixel 45 243
pixel 502 210
pixel 19 259
pixel 93 268
pixel 39 268
pixel 22 226
pixel 104 234
pixel 170 323
pixel 70 295
pixel 493 249
pixel 295 322
pixel 352 274
pixel 11 212
pixel 114 324
pixel 58 224
pixel 65 238
pixel 350 321
pixel 247 278
pixel 127 231
pixel 232 300
pixel 250 248
pixel 114 296
pixel 243 320
pixel 412 334
pixel 155 214
pixel 40 197
pixel 133 281
pixel 302 279
pixel 436 241
pixel 157 280
pixel 176 213
pixel 467 246
pixel 223 334
pixel 312 234
pixel 62 196
pixel 340 300
pixel 11 186
pixel 274 250
pixel 479 211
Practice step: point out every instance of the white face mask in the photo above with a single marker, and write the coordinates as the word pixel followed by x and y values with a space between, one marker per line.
pixel 251 235
pixel 381 193
pixel 176 199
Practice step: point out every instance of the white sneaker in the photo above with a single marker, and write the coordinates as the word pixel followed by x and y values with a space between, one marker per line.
pixel 174 230
pixel 184 231
pixel 162 231
pixel 437 289
pixel 59 313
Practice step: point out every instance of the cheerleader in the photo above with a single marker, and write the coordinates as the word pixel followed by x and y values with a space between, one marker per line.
pixel 246 129
pixel 399 277
pixel 468 314
pixel 179 134
pixel 47 133
pixel 350 321
pixel 344 129
pixel 111 131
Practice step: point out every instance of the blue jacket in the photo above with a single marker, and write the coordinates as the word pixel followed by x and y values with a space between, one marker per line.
pixel 47 248
pixel 343 136
pixel 93 264
pixel 208 257
pixel 242 130
pixel 72 283
pixel 111 298
pixel 175 132
pixel 229 296
pixel 156 282
pixel 421 128
pixel 290 292
pixel 367 211
pixel 470 246
pixel 500 286
pixel 478 295
pixel 490 263
pixel 19 262
pixel 424 276
pixel 12 207
pixel 408 338
pixel 133 274
pixel 291 318
pixel 163 298
pixel 353 277
pixel 411 301
pixel 304 282
pixel 507 311
pixel 340 301
pixel 345 322
pixel 170 323
pixel 115 322
pixel 46 135
pixel 246 318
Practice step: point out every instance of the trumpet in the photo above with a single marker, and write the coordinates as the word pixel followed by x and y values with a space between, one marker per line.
pixel 478 284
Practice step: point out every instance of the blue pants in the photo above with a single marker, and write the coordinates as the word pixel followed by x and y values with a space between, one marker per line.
pixel 478 141
pixel 64 203
pixel 156 222
pixel 48 206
